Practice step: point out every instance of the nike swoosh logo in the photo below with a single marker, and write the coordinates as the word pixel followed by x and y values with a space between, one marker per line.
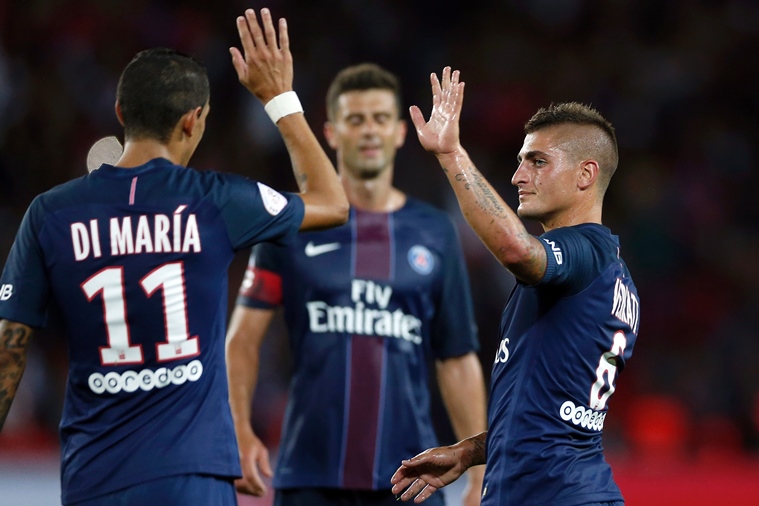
pixel 312 250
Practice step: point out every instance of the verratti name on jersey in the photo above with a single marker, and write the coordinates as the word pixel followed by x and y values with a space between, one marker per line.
pixel 156 233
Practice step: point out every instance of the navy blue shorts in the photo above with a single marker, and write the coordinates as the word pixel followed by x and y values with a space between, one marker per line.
pixel 180 490
pixel 338 497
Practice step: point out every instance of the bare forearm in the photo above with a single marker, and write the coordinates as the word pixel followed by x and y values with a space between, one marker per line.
pixel 242 369
pixel 317 179
pixel 499 228
pixel 473 450
pixel 247 329
pixel 462 388
pixel 14 339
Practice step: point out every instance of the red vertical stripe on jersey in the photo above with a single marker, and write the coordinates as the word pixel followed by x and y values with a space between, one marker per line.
pixel 132 190
pixel 372 261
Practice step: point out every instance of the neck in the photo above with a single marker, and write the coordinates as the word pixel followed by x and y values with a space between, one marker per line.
pixel 140 152
pixel 376 195
pixel 571 217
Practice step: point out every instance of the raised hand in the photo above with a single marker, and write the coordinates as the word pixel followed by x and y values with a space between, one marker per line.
pixel 440 134
pixel 265 65
pixel 423 475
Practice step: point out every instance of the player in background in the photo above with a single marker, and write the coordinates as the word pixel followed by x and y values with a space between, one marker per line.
pixel 569 325
pixel 368 306
pixel 136 257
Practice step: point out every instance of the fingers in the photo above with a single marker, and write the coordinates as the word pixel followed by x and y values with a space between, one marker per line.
pixel 243 30
pixel 419 490
pixel 284 36
pixel 255 28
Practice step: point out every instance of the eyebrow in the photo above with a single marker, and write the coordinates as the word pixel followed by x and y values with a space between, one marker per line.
pixel 531 155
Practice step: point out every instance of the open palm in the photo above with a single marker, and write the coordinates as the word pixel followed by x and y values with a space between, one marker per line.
pixel 440 134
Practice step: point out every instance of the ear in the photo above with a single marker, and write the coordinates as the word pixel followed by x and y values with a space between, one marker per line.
pixel 589 171
pixel 189 120
pixel 329 134
pixel 119 115
pixel 400 137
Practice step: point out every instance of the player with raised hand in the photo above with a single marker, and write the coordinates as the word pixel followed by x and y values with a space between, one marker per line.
pixel 135 255
pixel 369 306
pixel 569 326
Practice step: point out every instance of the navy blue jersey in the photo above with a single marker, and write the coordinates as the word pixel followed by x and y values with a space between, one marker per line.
pixel 564 341
pixel 137 260
pixel 367 306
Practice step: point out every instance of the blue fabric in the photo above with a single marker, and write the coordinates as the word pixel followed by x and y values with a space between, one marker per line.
pixel 564 342
pixel 136 260
pixel 419 310
pixel 182 490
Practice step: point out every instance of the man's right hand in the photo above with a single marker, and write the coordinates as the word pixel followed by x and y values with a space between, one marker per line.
pixel 254 460
pixel 263 67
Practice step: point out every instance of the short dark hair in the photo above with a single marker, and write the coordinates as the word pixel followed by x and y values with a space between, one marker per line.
pixel 579 114
pixel 362 77
pixel 156 89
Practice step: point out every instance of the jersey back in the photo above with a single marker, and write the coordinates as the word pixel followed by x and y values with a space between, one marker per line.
pixel 136 260
pixel 564 341
pixel 367 306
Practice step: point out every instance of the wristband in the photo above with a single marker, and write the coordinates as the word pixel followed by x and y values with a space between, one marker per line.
pixel 282 105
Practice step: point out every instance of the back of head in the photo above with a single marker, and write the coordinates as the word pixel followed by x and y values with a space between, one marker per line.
pixel 156 89
pixel 362 77
pixel 596 139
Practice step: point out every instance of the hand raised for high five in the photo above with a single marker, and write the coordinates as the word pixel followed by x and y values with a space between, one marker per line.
pixel 265 67
pixel 440 135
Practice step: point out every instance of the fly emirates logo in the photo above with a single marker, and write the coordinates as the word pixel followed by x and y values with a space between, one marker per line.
pixel 368 315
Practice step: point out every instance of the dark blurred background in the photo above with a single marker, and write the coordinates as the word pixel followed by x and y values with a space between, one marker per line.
pixel 679 80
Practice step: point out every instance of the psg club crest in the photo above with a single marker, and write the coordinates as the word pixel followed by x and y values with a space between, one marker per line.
pixel 421 260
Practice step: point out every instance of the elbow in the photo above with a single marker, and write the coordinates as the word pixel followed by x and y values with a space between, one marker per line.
pixel 342 212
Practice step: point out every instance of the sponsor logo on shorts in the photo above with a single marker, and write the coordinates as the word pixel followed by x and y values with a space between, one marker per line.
pixel 146 379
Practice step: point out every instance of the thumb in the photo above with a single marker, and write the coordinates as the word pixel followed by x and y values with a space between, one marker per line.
pixel 265 466
pixel 416 117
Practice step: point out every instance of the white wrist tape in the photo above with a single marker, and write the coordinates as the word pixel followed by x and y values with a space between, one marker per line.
pixel 282 105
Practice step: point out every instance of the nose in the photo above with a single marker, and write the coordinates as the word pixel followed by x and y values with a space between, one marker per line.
pixel 520 176
pixel 369 127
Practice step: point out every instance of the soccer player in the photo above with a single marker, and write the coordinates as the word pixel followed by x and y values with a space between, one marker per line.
pixel 569 325
pixel 136 257
pixel 368 306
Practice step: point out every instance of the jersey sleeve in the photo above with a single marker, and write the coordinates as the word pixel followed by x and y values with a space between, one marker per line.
pixel 454 331
pixel 262 285
pixel 254 212
pixel 573 259
pixel 24 286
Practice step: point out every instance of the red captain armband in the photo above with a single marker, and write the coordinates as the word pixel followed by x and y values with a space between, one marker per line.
pixel 262 285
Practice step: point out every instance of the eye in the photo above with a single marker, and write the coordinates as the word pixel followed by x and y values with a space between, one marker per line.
pixel 354 120
pixel 539 162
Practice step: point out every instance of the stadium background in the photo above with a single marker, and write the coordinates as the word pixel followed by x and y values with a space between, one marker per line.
pixel 679 79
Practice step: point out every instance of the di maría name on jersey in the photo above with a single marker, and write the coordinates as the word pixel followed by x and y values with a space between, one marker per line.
pixel 361 318
pixel 158 233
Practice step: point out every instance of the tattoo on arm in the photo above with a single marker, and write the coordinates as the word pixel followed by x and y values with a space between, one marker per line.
pixel 487 199
pixel 14 338
pixel 478 452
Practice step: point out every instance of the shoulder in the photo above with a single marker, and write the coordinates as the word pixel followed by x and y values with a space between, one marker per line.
pixel 426 216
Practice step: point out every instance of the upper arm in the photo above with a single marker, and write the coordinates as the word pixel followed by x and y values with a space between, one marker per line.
pixel 317 214
pixel 528 262
pixel 248 325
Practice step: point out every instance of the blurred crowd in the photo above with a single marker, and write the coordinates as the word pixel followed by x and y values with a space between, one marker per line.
pixel 678 78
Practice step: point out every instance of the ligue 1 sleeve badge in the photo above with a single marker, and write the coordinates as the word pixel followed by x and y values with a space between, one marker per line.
pixel 421 260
